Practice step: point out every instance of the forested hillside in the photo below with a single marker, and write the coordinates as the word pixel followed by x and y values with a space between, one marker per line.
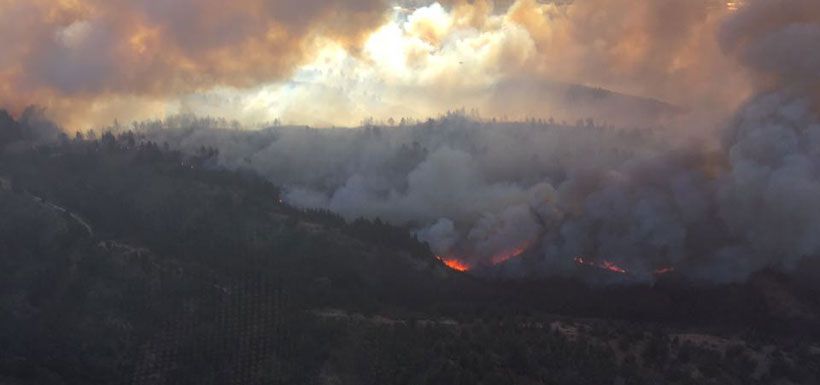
pixel 125 261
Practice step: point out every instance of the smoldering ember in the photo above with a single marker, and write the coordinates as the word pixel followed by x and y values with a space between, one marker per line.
pixel 410 192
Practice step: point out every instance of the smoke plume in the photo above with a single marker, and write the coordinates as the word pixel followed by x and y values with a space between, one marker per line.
pixel 533 196
pixel 545 197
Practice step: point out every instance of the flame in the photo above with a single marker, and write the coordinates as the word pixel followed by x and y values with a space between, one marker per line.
pixel 454 264
pixel 613 267
pixel 663 270
pixel 508 255
pixel 459 264
pixel 606 265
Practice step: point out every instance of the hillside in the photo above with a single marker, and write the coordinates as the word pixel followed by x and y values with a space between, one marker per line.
pixel 125 261
pixel 111 241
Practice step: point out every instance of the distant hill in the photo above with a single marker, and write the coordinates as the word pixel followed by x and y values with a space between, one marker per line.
pixel 566 101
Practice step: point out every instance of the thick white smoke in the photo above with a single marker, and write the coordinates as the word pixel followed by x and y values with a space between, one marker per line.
pixel 485 192
pixel 755 206
pixel 769 198
pixel 482 192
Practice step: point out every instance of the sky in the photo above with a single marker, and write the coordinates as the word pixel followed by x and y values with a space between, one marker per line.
pixel 336 63
pixel 744 73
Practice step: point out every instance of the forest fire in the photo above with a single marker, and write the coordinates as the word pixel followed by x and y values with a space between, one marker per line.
pixel 454 264
pixel 508 255
pixel 606 265
pixel 663 270
pixel 611 266
pixel 459 264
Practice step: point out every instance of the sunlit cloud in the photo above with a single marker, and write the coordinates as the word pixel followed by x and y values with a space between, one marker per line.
pixel 337 63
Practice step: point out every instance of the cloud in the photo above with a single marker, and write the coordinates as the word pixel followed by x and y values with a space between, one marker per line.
pixel 779 42
pixel 525 60
pixel 80 51
pixel 773 144
pixel 339 62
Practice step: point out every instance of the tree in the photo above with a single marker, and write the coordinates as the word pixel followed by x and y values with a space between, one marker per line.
pixel 10 130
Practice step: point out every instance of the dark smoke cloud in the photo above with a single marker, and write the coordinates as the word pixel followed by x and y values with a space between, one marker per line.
pixel 534 195
pixel 482 192
pixel 768 199
pixel 759 210
pixel 779 41
pixel 479 191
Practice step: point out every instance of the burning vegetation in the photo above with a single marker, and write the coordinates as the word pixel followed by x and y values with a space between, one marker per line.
pixel 604 265
pixel 455 264
pixel 615 268
pixel 461 264
pixel 508 255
